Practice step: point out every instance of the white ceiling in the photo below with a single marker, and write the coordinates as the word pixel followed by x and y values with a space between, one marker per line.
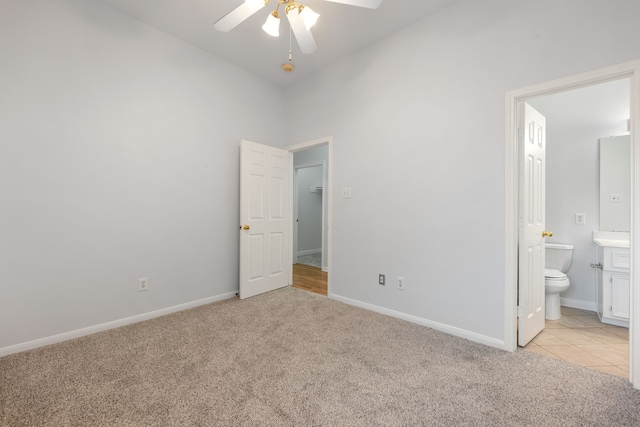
pixel 340 31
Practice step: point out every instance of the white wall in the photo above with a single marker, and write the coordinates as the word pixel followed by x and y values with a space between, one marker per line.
pixel 119 160
pixel 309 210
pixel 575 122
pixel 311 156
pixel 418 122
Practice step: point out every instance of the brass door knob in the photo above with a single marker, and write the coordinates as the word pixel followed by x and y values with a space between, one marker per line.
pixel 547 234
pixel 246 227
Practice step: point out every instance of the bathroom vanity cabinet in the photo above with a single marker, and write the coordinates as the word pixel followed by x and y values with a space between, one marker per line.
pixel 613 285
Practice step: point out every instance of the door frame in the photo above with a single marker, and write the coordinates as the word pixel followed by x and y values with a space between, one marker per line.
pixel 327 192
pixel 629 70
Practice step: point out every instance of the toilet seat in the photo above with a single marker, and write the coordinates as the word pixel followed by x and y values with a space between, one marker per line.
pixel 553 275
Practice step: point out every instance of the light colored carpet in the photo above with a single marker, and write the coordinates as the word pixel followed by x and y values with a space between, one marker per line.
pixel 293 358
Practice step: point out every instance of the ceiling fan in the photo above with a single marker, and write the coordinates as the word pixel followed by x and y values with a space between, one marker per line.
pixel 301 18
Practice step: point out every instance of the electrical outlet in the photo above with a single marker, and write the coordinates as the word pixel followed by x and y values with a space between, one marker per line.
pixel 401 283
pixel 346 193
pixel 381 279
pixel 581 218
pixel 143 284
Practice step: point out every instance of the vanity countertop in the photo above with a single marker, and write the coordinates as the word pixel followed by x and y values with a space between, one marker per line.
pixel 612 243
pixel 612 239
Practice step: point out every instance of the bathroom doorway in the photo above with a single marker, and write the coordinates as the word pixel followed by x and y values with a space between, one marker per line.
pixel 577 121
pixel 536 95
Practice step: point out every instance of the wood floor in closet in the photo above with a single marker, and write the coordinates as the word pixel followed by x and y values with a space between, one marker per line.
pixel 310 279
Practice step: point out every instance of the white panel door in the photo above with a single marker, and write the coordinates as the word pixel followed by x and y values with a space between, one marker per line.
pixel 532 138
pixel 264 218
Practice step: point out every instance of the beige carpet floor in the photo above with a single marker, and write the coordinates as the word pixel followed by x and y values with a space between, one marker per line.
pixel 293 358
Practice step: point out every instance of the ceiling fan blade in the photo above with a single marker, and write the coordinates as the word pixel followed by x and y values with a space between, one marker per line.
pixel 303 35
pixel 237 15
pixel 369 4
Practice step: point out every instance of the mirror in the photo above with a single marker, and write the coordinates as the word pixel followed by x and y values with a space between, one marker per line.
pixel 615 183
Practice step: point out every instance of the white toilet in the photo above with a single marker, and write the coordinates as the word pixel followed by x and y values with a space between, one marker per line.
pixel 557 262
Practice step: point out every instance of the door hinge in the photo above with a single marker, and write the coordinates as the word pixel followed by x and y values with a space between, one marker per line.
pixel 519 311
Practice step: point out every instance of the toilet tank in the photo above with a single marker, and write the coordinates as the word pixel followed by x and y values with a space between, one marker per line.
pixel 558 256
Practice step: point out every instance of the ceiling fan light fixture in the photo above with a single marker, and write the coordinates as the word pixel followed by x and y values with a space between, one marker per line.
pixel 309 17
pixel 301 18
pixel 272 25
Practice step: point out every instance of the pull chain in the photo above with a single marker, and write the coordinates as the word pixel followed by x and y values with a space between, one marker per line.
pixel 288 66
pixel 290 54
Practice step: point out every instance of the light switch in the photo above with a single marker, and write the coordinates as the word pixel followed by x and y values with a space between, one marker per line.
pixel 346 193
pixel 581 218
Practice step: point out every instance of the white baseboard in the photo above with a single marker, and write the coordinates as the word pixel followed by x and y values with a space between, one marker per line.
pixel 452 330
pixel 65 336
pixel 309 252
pixel 581 305
pixel 610 321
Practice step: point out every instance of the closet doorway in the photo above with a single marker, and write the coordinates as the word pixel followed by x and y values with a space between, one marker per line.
pixel 310 219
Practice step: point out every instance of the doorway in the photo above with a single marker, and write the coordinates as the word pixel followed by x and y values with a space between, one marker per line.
pixel 630 71
pixel 309 209
pixel 311 214
pixel 579 124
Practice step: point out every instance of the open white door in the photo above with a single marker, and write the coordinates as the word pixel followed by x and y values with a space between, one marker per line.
pixel 264 218
pixel 531 236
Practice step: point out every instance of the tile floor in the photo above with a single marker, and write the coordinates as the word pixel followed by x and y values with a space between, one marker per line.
pixel 580 338
pixel 314 259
